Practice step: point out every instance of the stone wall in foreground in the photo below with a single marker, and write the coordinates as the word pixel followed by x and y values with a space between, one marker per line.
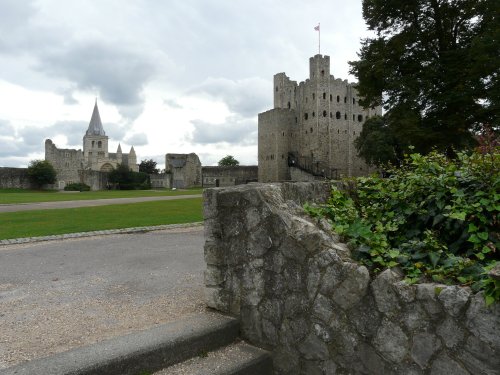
pixel 299 294
pixel 14 178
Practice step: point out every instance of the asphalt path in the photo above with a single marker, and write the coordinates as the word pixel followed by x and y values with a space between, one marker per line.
pixel 88 203
pixel 62 294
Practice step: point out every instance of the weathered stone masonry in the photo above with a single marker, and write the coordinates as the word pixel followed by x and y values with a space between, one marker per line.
pixel 298 292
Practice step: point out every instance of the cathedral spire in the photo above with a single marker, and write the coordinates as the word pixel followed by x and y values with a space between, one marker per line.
pixel 95 125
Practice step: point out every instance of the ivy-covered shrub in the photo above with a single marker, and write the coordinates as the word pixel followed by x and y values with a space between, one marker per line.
pixel 77 186
pixel 435 218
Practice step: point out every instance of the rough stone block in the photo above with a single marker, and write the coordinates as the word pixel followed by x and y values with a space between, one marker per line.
pixel 314 348
pixel 423 348
pixel 484 322
pixel 384 293
pixel 353 288
pixel 454 299
pixel 444 365
pixel 391 342
pixel 450 332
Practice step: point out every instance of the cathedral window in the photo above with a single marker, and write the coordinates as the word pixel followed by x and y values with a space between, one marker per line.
pixel 325 114
pixel 337 115
pixel 99 144
pixel 93 144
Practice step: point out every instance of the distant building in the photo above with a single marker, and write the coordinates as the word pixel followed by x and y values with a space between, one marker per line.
pixel 310 132
pixel 71 164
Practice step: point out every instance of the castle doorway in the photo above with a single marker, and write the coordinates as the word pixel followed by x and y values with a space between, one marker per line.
pixel 106 167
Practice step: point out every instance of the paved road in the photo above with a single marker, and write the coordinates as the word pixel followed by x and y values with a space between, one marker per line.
pixel 88 203
pixel 61 294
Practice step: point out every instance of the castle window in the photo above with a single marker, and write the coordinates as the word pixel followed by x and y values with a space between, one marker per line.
pixel 306 99
pixel 93 143
pixel 322 73
pixel 311 130
pixel 288 105
pixel 353 101
pixel 276 88
pixel 345 116
pixel 99 144
pixel 324 95
pixel 283 134
pixel 353 117
pixel 325 114
pixel 282 156
pixel 331 116
pixel 345 99
pixel 306 116
pixel 314 96
pixel 295 119
pixel 360 118
pixel 331 97
pixel 337 115
pixel 338 131
pixel 314 114
pixel 338 98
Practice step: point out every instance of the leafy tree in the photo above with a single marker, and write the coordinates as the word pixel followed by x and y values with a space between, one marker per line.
pixel 41 172
pixel 434 66
pixel 148 166
pixel 228 161
pixel 376 144
pixel 126 179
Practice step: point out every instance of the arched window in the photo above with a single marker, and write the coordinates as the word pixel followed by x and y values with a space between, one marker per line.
pixel 99 144
pixel 338 98
pixel 93 144
pixel 337 115
pixel 322 73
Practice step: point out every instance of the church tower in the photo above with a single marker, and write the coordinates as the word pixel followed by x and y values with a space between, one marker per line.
pixel 95 141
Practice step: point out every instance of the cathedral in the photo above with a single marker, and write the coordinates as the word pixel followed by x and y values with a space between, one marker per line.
pixel 70 164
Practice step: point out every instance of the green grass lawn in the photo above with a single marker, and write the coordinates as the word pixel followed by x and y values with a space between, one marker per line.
pixel 73 220
pixel 12 196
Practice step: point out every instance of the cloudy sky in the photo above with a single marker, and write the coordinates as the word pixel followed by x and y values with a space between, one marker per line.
pixel 172 76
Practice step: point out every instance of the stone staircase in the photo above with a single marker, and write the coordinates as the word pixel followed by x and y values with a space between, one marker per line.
pixel 205 344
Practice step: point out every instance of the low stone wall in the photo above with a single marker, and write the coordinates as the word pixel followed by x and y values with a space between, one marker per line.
pixel 298 293
pixel 95 179
pixel 14 178
pixel 229 175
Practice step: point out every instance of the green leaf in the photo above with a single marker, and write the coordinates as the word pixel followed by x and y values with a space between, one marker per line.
pixel 489 300
pixel 483 235
pixel 458 215
pixel 472 228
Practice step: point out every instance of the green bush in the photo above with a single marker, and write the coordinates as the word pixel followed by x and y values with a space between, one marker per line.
pixel 41 172
pixel 77 186
pixel 435 218
pixel 125 179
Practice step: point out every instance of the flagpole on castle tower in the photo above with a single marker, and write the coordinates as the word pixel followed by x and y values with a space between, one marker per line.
pixel 318 29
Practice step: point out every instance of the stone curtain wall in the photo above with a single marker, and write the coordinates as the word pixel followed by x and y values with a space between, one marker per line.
pixel 14 178
pixel 298 293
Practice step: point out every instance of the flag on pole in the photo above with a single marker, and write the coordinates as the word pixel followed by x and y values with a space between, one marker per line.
pixel 316 27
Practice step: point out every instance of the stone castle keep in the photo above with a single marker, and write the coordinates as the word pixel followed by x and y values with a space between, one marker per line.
pixel 312 127
pixel 70 163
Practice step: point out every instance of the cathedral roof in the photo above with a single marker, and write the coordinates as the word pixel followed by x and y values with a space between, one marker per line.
pixel 95 125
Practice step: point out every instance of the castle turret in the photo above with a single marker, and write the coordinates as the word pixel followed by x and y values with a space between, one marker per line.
pixel 95 141
pixel 132 160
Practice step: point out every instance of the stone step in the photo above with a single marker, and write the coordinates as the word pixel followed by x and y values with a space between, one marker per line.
pixel 238 358
pixel 139 352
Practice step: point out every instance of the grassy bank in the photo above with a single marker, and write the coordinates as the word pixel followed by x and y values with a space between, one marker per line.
pixel 73 220
pixel 13 196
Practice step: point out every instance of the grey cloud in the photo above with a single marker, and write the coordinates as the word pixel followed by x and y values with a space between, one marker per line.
pixel 233 131
pixel 246 97
pixel 139 139
pixel 172 103
pixel 119 73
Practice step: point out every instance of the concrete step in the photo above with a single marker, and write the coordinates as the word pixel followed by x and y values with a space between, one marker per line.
pixel 238 358
pixel 139 352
